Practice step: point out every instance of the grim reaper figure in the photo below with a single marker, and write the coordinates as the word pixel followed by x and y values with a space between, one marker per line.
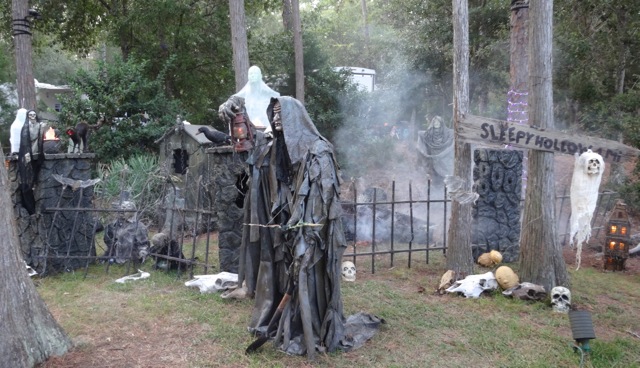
pixel 436 146
pixel 293 240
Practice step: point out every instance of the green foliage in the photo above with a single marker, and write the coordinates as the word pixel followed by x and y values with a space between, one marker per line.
pixel 137 176
pixel 333 101
pixel 7 69
pixel 53 65
pixel 120 92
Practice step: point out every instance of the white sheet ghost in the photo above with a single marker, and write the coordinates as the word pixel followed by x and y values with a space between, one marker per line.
pixel 257 96
pixel 587 175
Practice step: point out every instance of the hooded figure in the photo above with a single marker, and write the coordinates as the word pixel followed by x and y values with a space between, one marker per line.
pixel 29 159
pixel 16 128
pixel 293 240
pixel 436 145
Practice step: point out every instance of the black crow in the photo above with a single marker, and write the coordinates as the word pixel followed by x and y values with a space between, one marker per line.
pixel 217 137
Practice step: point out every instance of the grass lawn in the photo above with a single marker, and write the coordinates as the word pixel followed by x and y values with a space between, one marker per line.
pixel 159 322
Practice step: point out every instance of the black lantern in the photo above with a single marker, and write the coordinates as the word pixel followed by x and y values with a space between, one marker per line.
pixel 616 248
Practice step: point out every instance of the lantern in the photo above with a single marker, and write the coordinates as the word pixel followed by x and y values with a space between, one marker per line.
pixel 241 134
pixel 616 248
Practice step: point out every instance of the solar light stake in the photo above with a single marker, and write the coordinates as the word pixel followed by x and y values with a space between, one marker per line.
pixel 582 329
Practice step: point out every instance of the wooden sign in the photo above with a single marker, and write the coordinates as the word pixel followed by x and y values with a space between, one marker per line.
pixel 479 130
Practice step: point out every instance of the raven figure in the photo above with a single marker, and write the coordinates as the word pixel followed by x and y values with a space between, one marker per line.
pixel 217 137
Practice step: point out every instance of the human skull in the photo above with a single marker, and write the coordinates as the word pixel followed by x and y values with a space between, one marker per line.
pixel 473 285
pixel 592 162
pixel 560 299
pixel 593 166
pixel 348 271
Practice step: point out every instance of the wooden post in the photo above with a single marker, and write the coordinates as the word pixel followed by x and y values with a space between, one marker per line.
pixel 459 257
pixel 541 260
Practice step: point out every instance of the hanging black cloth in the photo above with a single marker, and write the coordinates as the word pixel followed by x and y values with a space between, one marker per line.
pixel 28 167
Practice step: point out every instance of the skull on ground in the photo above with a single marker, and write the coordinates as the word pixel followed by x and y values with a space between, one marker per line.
pixel 348 271
pixel 473 285
pixel 526 291
pixel 561 299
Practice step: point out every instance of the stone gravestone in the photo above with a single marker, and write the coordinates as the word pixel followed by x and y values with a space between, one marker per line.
pixel 497 177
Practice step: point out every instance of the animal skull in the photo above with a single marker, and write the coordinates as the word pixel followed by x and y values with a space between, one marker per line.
pixel 561 299
pixel 473 285
pixel 214 283
pixel 526 291
pixel 348 271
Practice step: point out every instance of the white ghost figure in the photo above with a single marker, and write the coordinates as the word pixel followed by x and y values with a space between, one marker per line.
pixel 257 96
pixel 348 271
pixel 16 128
pixel 587 174
pixel 473 285
pixel 214 283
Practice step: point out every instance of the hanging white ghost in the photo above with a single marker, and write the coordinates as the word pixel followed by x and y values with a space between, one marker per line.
pixel 587 174
pixel 16 129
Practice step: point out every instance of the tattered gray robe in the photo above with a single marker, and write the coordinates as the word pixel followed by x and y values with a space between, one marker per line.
pixel 294 235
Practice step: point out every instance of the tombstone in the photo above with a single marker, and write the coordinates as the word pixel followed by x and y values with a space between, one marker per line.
pixel 497 177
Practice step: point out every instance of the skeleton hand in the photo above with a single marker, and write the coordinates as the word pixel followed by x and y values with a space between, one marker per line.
pixel 228 110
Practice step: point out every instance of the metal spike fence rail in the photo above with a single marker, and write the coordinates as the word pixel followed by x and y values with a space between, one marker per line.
pixel 381 251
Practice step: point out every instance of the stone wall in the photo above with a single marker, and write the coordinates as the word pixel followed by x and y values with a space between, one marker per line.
pixel 48 234
pixel 227 170
pixel 497 177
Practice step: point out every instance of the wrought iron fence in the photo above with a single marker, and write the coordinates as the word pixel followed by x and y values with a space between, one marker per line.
pixel 383 227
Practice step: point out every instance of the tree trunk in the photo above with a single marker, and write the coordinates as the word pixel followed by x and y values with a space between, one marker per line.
pixel 287 20
pixel 297 46
pixel 29 333
pixel 459 257
pixel 21 31
pixel 519 66
pixel 541 260
pixel 239 42
pixel 365 22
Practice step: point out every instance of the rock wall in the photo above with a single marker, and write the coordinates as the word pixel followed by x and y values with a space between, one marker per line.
pixel 497 177
pixel 49 234
pixel 228 174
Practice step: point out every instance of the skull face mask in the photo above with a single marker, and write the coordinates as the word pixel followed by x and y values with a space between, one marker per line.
pixel 561 299
pixel 348 271
pixel 277 119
